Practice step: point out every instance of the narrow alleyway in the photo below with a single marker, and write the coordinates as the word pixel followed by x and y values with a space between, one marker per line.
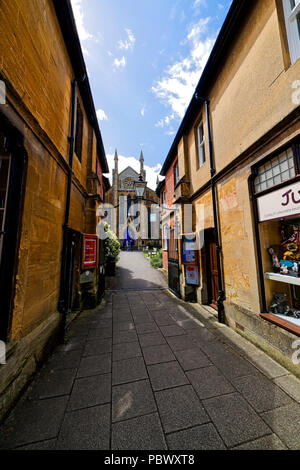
pixel 149 372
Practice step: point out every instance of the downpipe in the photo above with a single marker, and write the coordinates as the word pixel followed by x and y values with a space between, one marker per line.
pixel 221 296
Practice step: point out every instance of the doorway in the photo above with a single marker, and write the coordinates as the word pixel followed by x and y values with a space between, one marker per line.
pixel 212 268
pixel 12 177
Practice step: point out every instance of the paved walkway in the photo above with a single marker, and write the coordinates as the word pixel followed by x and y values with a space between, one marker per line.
pixel 135 272
pixel 143 373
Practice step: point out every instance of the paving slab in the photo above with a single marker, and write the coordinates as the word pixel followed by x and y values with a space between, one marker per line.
pixel 126 351
pixel 235 420
pixel 158 354
pixel 270 442
pixel 142 433
pixel 209 382
pixel 94 365
pixel 261 393
pixel 148 327
pixel 97 346
pixel 52 383
pixel 132 400
pixel 203 437
pixel 166 375
pixel 180 408
pixel 179 343
pixel 102 333
pixel 90 391
pixel 33 421
pixel 129 370
pixel 291 385
pixel 151 339
pixel 125 337
pixel 65 360
pixel 124 326
pixel 87 429
pixel 172 330
pixel 194 358
pixel 285 422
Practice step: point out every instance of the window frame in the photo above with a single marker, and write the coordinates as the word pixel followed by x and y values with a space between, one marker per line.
pixel 176 173
pixel 200 146
pixel 292 24
pixel 78 132
pixel 165 237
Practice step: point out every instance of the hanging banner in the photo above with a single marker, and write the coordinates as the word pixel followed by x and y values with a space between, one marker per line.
pixel 89 252
pixel 284 202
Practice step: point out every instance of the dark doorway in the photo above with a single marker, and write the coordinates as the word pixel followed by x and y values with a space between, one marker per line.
pixel 173 263
pixel 211 268
pixel 71 268
pixel 12 177
pixel 101 270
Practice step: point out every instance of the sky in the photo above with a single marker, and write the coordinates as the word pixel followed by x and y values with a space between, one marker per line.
pixel 144 59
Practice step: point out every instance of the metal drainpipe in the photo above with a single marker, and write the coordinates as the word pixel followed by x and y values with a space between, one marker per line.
pixel 62 307
pixel 221 296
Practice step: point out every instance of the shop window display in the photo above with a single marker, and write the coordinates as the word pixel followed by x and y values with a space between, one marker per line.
pixel 281 265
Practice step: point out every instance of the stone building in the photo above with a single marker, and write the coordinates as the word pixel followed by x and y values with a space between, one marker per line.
pixel 52 162
pixel 236 160
pixel 134 219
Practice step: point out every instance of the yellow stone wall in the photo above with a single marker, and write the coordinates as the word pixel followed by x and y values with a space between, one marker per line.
pixel 35 65
pixel 252 91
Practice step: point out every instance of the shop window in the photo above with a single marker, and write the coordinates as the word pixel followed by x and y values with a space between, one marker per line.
pixel 79 132
pixel 278 213
pixel 292 21
pixel 278 170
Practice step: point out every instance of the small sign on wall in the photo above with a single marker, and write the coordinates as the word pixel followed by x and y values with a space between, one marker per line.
pixel 189 250
pixel 89 252
pixel 192 275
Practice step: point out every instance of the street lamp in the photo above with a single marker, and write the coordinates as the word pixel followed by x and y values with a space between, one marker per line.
pixel 140 187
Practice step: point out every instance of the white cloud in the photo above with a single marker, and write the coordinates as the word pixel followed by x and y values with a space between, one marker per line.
pixel 198 3
pixel 128 43
pixel 120 63
pixel 176 87
pixel 101 115
pixel 79 18
pixel 124 162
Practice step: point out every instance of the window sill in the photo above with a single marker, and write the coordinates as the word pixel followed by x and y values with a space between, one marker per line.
pixel 285 324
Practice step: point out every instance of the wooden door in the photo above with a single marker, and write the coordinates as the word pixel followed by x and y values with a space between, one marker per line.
pixel 212 270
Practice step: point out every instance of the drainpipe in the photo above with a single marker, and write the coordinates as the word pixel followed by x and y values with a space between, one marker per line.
pixel 61 305
pixel 221 296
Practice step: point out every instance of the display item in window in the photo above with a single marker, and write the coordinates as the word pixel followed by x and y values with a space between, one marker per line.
pixel 279 306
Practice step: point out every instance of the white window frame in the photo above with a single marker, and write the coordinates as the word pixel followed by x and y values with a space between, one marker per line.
pixel 292 22
pixel 176 173
pixel 201 145
pixel 165 236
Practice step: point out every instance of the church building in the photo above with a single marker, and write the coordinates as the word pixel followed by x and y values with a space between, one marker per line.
pixel 134 208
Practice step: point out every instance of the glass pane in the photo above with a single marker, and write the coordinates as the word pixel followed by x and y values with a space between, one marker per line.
pixel 276 170
pixel 285 175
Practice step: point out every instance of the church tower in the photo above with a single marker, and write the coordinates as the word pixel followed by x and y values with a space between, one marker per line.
pixel 116 180
pixel 142 171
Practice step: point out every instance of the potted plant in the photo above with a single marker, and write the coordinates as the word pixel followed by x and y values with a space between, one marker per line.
pixel 112 250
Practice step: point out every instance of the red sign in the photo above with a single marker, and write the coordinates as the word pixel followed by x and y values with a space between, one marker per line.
pixel 89 255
